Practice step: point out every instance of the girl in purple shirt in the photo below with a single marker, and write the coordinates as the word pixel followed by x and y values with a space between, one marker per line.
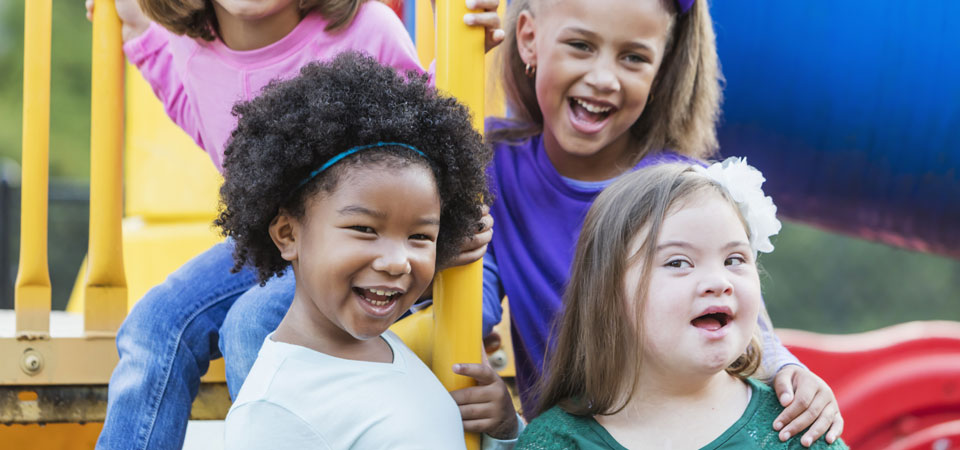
pixel 600 88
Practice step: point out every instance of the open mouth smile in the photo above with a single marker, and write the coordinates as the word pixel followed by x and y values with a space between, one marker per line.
pixel 589 116
pixel 378 301
pixel 714 319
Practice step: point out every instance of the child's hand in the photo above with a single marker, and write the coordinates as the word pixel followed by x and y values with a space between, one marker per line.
pixel 487 19
pixel 134 21
pixel 486 407
pixel 474 248
pixel 807 400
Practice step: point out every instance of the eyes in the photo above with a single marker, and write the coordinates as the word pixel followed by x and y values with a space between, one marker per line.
pixel 684 263
pixel 629 58
pixel 371 232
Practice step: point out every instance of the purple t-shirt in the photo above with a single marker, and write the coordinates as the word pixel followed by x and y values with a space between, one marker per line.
pixel 538 216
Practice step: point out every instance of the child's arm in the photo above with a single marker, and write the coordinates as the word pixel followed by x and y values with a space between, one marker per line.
pixel 132 17
pixel 148 48
pixel 493 292
pixel 487 407
pixel 807 400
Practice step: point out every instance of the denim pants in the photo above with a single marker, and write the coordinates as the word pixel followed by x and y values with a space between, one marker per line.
pixel 169 338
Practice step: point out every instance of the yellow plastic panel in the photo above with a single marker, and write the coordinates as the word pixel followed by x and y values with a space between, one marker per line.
pixel 167 176
pixel 416 331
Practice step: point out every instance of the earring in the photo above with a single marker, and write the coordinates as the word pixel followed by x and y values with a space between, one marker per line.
pixel 530 71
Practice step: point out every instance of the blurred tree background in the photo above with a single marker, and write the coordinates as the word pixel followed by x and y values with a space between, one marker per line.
pixel 815 280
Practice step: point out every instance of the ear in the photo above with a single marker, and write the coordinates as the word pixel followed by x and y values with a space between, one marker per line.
pixel 284 231
pixel 526 38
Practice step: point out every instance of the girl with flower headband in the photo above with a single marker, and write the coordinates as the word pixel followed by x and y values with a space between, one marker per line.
pixel 659 332
pixel 599 89
pixel 370 183
pixel 200 57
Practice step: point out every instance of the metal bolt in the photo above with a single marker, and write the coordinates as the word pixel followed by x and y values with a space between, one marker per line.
pixel 31 362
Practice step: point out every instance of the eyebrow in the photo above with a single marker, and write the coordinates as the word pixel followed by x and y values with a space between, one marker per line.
pixel 357 210
pixel 683 244
pixel 590 34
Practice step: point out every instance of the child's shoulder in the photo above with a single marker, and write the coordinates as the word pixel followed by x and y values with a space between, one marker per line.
pixel 373 14
pixel 558 429
pixel 759 426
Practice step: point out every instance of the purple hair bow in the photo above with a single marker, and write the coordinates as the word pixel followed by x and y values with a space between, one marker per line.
pixel 684 5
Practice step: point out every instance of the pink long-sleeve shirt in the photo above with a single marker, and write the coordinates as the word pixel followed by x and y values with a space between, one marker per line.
pixel 199 82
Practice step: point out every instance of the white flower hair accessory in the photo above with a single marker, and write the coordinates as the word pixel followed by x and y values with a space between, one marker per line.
pixel 743 182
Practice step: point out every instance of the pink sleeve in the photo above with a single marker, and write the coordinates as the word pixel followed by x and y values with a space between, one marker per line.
pixel 153 55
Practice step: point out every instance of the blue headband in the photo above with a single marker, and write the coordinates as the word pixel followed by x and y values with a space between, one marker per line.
pixel 684 5
pixel 351 151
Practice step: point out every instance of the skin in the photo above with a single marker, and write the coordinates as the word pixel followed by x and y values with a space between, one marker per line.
pixel 698 264
pixel 353 239
pixel 605 52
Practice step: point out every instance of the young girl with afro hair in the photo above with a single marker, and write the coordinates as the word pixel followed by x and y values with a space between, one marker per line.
pixel 365 183
pixel 200 57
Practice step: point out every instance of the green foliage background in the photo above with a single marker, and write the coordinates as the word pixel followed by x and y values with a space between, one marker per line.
pixel 814 280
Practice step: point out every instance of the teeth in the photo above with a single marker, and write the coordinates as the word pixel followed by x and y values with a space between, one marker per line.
pixel 386 293
pixel 593 108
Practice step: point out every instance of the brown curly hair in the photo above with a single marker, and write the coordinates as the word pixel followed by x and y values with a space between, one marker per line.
pixel 295 126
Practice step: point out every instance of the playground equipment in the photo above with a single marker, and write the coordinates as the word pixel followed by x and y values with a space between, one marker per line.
pixel 849 138
pixel 63 379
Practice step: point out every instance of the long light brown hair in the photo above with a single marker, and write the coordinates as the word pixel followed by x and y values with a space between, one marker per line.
pixel 196 18
pixel 684 104
pixel 593 364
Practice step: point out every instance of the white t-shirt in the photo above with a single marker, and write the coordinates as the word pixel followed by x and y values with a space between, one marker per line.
pixel 298 398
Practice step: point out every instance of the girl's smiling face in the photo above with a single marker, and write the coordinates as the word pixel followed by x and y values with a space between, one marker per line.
pixel 704 293
pixel 364 253
pixel 596 61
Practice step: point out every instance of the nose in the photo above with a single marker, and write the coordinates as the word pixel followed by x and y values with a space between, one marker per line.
pixel 603 77
pixel 393 260
pixel 716 283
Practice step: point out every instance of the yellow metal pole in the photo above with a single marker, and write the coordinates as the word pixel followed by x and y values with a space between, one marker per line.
pixel 457 291
pixel 426 32
pixel 105 286
pixel 32 291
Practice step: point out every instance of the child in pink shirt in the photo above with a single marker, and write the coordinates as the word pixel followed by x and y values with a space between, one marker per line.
pixel 201 57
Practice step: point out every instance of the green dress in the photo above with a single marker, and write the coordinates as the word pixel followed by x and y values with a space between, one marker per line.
pixel 556 429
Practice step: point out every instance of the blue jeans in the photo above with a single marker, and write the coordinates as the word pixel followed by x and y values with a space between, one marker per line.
pixel 169 338
pixel 254 315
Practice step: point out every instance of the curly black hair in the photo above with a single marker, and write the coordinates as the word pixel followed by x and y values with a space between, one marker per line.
pixel 295 126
